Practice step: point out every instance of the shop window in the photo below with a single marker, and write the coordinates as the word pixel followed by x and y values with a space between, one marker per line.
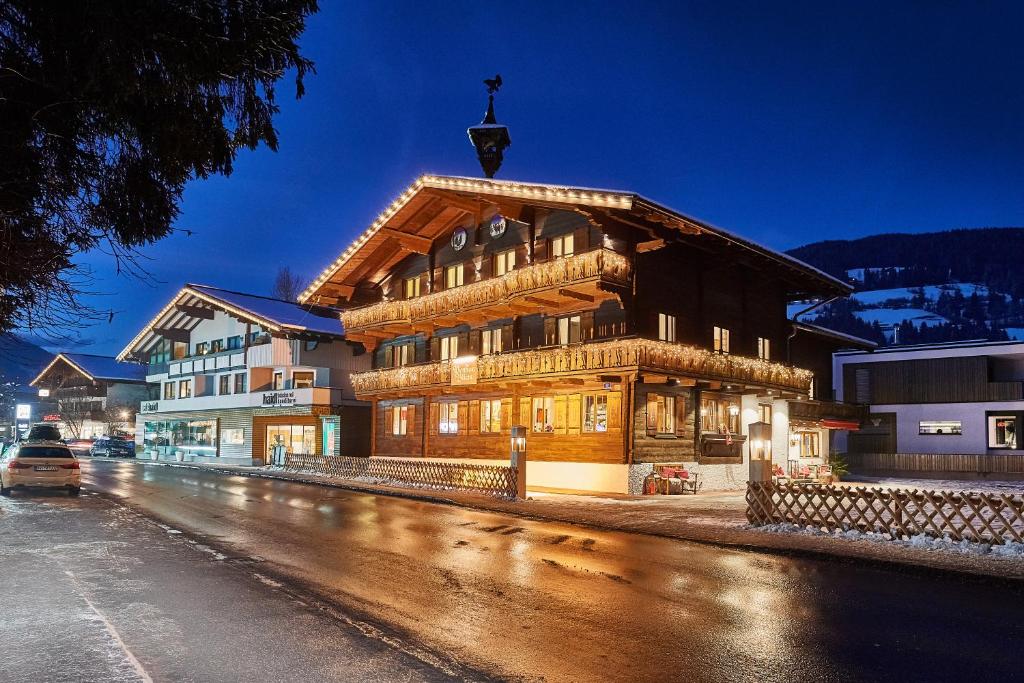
pixel 399 420
pixel 1002 431
pixel 764 412
pixel 764 348
pixel 595 413
pixel 810 444
pixel 449 347
pixel 168 391
pixel 402 354
pixel 224 384
pixel 185 388
pixel 721 343
pixel 448 418
pixel 302 380
pixel 490 341
pixel 411 287
pixel 562 246
pixel 194 437
pixel 299 439
pixel 504 262
pixel 454 276
pixel 490 416
pixel 943 427
pixel 278 382
pixel 661 414
pixel 543 414
pixel 240 382
pixel 666 327
pixel 569 329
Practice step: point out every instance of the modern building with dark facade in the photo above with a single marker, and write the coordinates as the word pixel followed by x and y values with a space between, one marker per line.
pixel 620 332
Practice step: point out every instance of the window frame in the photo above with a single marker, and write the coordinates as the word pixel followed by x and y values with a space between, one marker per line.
pixel 992 424
pixel 663 422
pixel 277 381
pixel 490 416
pixel 568 320
pixel 244 377
pixel 459 268
pixel 547 405
pixel 411 283
pixel 558 244
pixel 170 391
pixel 400 420
pixel 490 341
pixel 590 413
pixel 956 427
pixel 305 373
pixel 448 418
pixel 185 388
pixel 223 385
pixel 500 261
pixel 764 348
pixel 721 336
pixel 666 327
pixel 402 354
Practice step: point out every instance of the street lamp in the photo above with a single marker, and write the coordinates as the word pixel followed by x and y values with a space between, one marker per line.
pixel 519 459
pixel 489 137
pixel 125 414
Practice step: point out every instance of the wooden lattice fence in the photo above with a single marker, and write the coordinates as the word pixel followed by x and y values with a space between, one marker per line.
pixel 994 518
pixel 497 480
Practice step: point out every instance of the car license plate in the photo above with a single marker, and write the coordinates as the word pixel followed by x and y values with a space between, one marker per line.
pixel 45 468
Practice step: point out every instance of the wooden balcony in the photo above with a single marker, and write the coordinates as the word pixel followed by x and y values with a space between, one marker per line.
pixel 549 287
pixel 588 359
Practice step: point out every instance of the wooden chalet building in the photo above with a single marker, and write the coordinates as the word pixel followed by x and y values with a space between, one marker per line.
pixel 620 332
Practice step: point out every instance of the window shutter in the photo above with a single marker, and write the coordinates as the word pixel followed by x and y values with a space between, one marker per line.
pixel 550 330
pixel 540 250
pixel 425 283
pixel 463 416
pixel 586 325
pixel 474 418
pixel 580 239
pixel 560 406
pixel 388 420
pixel 410 420
pixel 474 342
pixel 435 417
pixel 575 417
pixel 652 414
pixel 464 348
pixel 438 280
pixel 421 350
pixel 525 415
pixel 506 337
pixel 614 410
pixel 435 349
pixel 680 415
pixel 506 414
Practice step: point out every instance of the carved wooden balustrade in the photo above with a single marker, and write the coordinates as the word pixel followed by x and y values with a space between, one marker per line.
pixel 614 355
pixel 601 265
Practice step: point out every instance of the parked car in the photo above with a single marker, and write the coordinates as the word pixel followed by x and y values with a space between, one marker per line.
pixel 80 447
pixel 113 447
pixel 43 432
pixel 35 464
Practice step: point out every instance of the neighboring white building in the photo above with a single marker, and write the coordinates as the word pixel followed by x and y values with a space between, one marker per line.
pixel 238 374
pixel 961 397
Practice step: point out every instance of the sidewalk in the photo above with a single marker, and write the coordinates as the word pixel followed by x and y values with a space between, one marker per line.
pixel 715 517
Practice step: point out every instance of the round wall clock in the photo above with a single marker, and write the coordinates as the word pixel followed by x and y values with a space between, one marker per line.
pixel 459 239
pixel 498 225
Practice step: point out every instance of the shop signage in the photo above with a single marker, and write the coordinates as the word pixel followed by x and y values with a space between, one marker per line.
pixel 51 418
pixel 279 398
pixel 23 411
pixel 464 371
pixel 149 406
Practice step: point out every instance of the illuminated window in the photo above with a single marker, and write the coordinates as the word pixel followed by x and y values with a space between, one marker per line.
pixel 449 347
pixel 1002 431
pixel 569 330
pixel 302 380
pixel 719 415
pixel 544 414
pixel 505 262
pixel 216 346
pixel 562 246
pixel 448 418
pixel 411 287
pixel 490 416
pixel 661 413
pixel 765 412
pixel 454 276
pixel 666 327
pixel 490 341
pixel 202 348
pixel 240 383
pixel 721 339
pixel 764 348
pixel 224 385
pixel 810 444
pixel 168 391
pixel 278 382
pixel 946 427
pixel 402 354
pixel 399 420
pixel 185 388
pixel 595 413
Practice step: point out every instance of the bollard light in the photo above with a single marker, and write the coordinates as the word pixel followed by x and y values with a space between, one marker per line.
pixel 518 459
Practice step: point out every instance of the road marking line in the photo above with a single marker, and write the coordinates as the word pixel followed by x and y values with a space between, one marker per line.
pixel 112 630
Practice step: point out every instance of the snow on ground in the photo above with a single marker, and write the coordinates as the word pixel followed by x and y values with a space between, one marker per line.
pixel 874 297
pixel 1015 333
pixel 979 486
pixel 894 316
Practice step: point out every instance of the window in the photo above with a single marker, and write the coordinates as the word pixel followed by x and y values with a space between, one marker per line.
pixel 764 412
pixel 216 345
pixel 194 437
pixel 661 414
pixel 240 383
pixel 946 427
pixel 411 287
pixel 311 344
pixel 569 329
pixel 595 413
pixel 490 416
pixel 454 276
pixel 718 414
pixel 810 444
pixel 278 382
pixel 185 388
pixel 235 342
pixel 666 327
pixel 402 354
pixel 490 341
pixel 1002 431
pixel 764 348
pixel 399 420
pixel 202 348
pixel 294 438
pixel 544 414
pixel 168 391
pixel 562 246
pixel 449 347
pixel 721 339
pixel 302 380
pixel 448 420
pixel 504 262
pixel 224 384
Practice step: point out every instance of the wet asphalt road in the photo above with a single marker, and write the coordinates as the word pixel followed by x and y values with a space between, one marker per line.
pixel 515 598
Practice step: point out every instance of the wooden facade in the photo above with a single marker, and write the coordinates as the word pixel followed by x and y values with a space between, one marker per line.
pixel 598 320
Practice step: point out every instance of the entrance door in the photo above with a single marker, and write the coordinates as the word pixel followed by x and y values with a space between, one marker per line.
pixel 299 439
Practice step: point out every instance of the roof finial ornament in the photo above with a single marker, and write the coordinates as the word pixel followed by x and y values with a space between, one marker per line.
pixel 489 138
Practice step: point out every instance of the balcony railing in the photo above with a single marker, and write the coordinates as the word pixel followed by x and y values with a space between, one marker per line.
pixel 619 355
pixel 600 264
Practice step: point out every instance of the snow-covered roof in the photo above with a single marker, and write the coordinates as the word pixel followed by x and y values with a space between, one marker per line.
pixel 93 367
pixel 839 336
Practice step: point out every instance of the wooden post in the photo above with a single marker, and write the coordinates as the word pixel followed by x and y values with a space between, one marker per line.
pixel 373 427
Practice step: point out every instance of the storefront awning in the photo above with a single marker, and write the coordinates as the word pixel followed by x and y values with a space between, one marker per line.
pixel 849 425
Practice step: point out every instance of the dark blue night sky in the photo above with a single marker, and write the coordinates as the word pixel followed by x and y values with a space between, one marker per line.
pixel 787 124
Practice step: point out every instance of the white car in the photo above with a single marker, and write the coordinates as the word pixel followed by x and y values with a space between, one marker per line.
pixel 37 464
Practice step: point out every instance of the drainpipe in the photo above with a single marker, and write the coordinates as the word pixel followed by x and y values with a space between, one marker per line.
pixel 789 339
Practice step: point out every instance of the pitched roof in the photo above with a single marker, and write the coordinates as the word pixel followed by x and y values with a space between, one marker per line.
pixel 275 315
pixel 106 368
pixel 838 336
pixel 569 197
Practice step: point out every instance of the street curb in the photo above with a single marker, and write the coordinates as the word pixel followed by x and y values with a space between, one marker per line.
pixel 908 565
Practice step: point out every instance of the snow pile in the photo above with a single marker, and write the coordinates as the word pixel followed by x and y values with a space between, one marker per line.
pixel 920 542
